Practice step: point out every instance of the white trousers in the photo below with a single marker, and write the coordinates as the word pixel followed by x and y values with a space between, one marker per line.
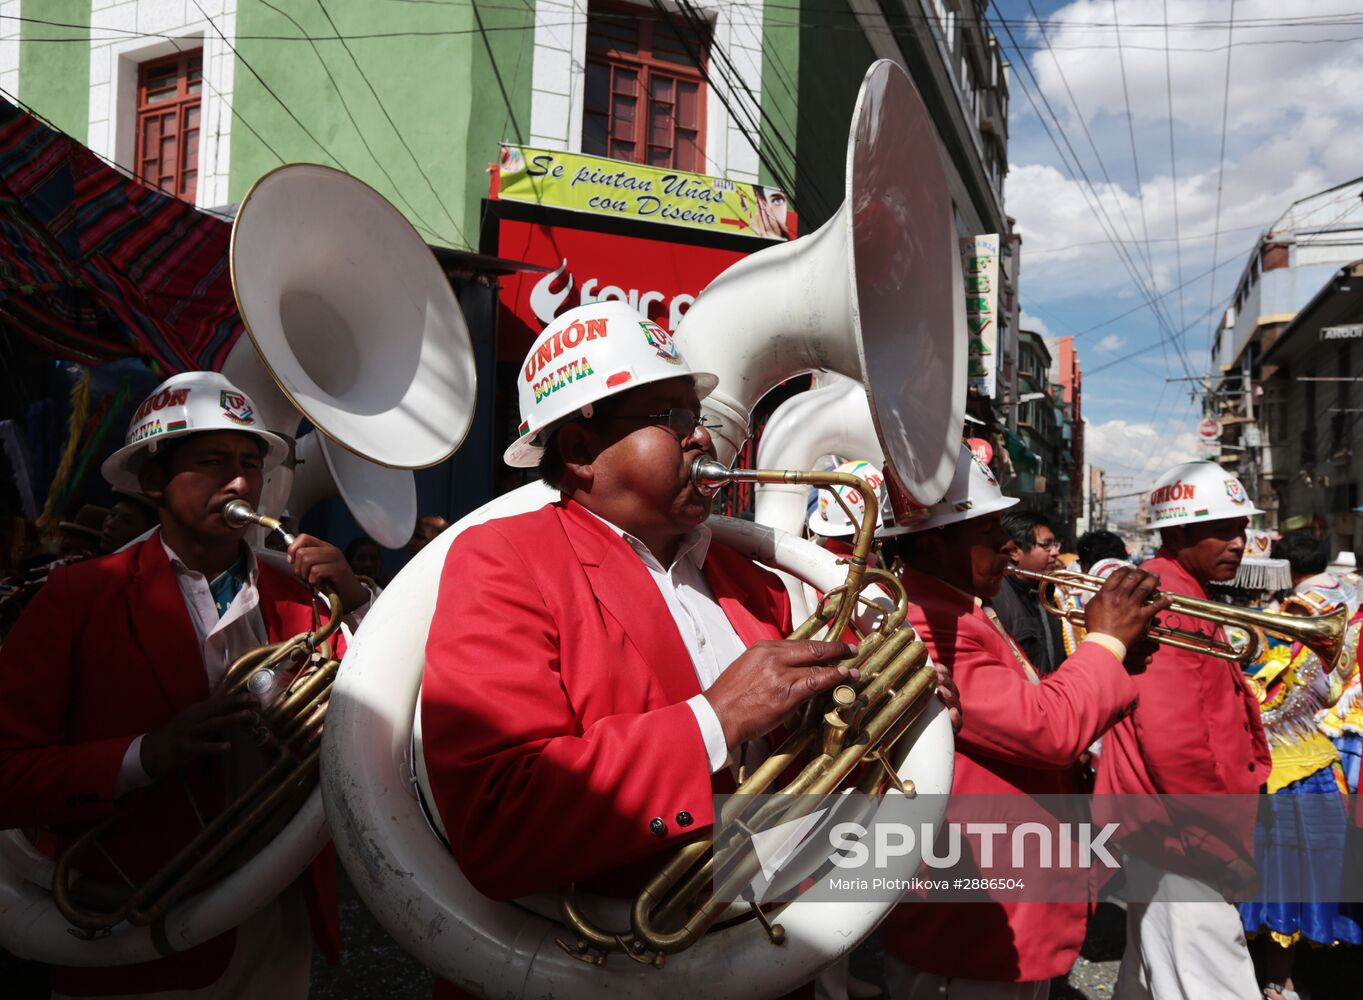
pixel 1177 949
pixel 904 982
pixel 272 959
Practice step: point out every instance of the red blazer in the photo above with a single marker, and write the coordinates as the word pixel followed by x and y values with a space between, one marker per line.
pixel 107 651
pixel 1019 737
pixel 553 715
pixel 1197 731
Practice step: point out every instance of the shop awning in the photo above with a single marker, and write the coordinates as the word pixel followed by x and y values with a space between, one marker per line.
pixel 96 266
pixel 1022 456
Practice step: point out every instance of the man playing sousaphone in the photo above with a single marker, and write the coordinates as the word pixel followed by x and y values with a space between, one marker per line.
pixel 595 667
pixel 107 681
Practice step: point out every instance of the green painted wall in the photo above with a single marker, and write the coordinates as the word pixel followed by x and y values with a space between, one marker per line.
pixel 433 76
pixel 834 55
pixel 54 76
pixel 780 91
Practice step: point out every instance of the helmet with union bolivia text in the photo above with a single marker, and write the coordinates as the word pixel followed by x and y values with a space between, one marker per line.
pixel 587 354
pixel 1194 492
pixel 974 492
pixel 184 404
pixel 829 520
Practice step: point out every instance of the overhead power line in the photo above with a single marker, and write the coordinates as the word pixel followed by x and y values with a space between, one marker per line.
pixel 1086 186
pixel 837 22
pixel 1221 168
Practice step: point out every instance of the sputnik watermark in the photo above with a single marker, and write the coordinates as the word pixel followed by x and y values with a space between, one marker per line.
pixel 1051 846
pixel 1010 847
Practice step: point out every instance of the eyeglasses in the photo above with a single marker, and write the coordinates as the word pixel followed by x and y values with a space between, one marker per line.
pixel 680 420
pixel 1053 545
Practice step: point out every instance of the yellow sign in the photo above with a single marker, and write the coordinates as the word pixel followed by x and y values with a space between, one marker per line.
pixel 624 190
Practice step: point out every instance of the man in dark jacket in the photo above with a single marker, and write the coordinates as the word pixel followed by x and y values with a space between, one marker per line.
pixel 1017 603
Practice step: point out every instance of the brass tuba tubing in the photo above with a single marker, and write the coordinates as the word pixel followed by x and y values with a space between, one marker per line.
pixel 1323 635
pixel 709 476
pixel 820 778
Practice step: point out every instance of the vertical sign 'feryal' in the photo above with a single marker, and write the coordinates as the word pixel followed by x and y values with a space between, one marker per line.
pixel 980 268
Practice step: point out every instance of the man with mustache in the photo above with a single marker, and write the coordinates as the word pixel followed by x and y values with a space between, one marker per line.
pixel 1022 733
pixel 596 667
pixel 1196 732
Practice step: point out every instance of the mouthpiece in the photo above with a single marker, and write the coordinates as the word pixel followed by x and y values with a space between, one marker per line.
pixel 710 476
pixel 238 514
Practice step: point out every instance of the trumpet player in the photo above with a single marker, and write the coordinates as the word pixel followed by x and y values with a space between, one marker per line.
pixel 1022 733
pixel 1196 731
pixel 595 667
pixel 106 685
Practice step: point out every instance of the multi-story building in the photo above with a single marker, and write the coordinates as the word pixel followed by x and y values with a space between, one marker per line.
pixel 1070 377
pixel 1309 418
pixel 1093 512
pixel 1288 267
pixel 201 97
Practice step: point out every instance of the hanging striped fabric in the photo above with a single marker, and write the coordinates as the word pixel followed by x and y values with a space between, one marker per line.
pixel 96 266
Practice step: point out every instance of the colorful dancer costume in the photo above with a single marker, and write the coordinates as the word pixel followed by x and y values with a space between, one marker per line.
pixel 1303 847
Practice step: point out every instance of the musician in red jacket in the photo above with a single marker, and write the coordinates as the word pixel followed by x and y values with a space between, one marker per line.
pixel 106 685
pixel 594 665
pixel 1196 731
pixel 1021 735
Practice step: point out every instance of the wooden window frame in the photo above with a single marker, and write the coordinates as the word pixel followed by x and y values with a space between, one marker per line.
pixel 644 62
pixel 180 105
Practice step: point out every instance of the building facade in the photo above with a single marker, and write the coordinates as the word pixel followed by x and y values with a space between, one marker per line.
pixel 1290 265
pixel 1309 417
pixel 1047 450
pixel 201 97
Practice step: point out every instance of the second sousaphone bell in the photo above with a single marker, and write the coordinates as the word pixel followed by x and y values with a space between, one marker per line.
pixel 351 323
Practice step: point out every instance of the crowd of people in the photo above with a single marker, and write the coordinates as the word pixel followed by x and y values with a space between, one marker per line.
pixel 640 665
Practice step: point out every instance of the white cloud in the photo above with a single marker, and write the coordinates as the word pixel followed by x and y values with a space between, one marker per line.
pixel 1294 126
pixel 1034 323
pixel 1110 343
pixel 1127 448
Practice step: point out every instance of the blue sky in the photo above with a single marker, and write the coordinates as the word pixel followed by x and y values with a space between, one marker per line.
pixel 1293 126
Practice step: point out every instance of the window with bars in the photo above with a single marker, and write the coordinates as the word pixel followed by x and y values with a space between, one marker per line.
pixel 645 93
pixel 169 92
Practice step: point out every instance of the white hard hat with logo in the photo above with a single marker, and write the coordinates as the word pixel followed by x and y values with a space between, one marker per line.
pixel 188 403
pixel 1195 492
pixel 587 354
pixel 974 492
pixel 829 519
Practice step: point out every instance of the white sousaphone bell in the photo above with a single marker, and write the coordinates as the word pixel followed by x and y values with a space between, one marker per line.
pixel 352 324
pixel 876 295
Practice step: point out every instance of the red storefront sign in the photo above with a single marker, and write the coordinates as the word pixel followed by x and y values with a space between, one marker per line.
pixel 660 278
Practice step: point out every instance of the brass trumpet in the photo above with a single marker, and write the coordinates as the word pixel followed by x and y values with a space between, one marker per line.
pixel 289 729
pixel 1323 635
pixel 844 736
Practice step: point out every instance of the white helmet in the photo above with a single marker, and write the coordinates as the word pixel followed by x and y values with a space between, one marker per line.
pixel 828 518
pixel 1197 491
pixel 188 403
pixel 973 493
pixel 585 355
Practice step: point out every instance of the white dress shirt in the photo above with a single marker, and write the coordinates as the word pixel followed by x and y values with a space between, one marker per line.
pixel 705 629
pixel 222 639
